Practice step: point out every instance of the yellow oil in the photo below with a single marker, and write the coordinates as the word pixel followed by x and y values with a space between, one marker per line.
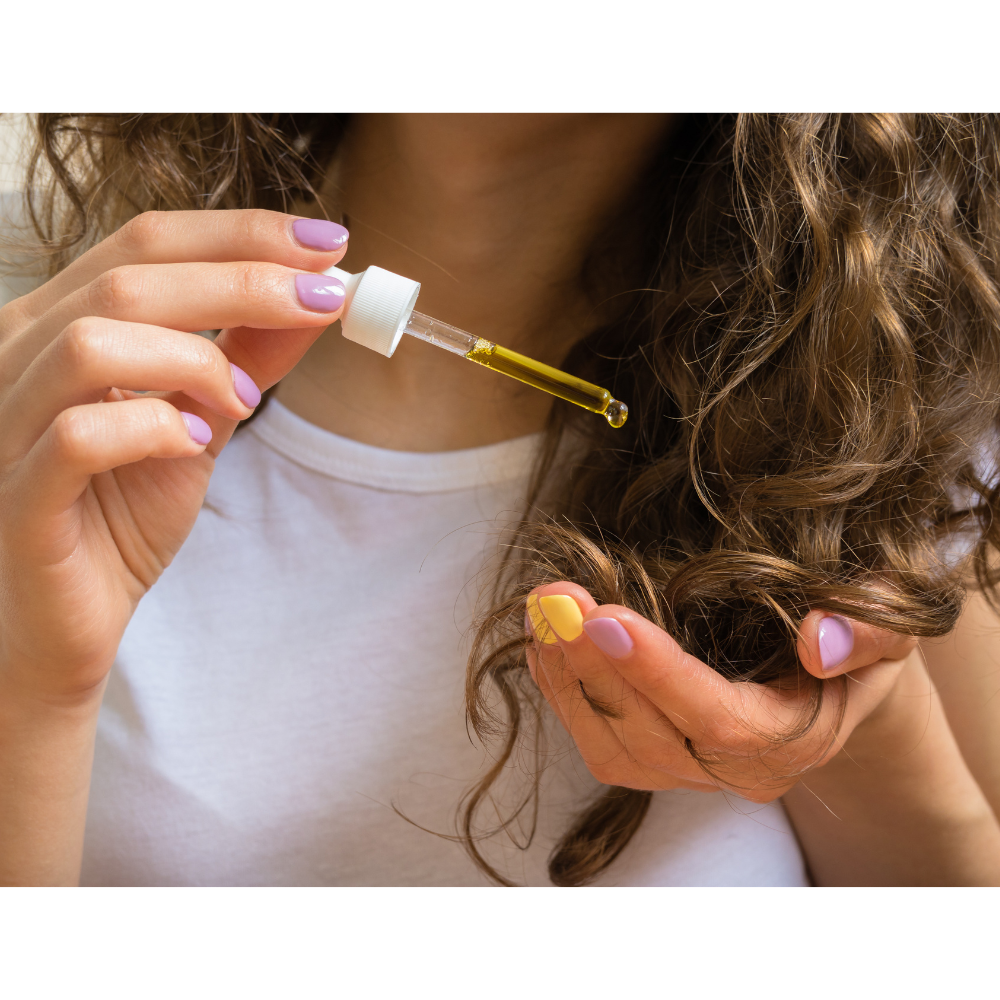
pixel 551 380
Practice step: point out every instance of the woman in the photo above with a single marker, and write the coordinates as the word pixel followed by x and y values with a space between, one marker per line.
pixel 286 702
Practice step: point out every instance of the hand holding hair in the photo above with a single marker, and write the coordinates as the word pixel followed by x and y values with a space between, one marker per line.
pixel 645 714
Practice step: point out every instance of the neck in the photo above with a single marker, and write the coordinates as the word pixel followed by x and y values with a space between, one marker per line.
pixel 494 215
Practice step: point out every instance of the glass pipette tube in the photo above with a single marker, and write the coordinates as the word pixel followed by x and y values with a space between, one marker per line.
pixel 524 369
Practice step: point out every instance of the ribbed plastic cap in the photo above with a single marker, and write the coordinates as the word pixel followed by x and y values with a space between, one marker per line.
pixel 379 303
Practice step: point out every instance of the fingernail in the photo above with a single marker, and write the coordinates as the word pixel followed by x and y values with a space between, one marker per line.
pixel 836 640
pixel 200 432
pixel 610 637
pixel 541 627
pixel 246 389
pixel 320 292
pixel 564 615
pixel 318 234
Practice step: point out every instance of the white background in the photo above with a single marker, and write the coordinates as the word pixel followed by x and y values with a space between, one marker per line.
pixel 484 56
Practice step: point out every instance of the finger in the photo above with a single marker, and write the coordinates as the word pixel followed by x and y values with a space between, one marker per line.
pixel 209 236
pixel 266 355
pixel 596 743
pixel 540 677
pixel 608 759
pixel 86 440
pixel 561 607
pixel 622 737
pixel 91 356
pixel 188 297
pixel 866 688
pixel 548 662
pixel 830 645
pixel 561 690
pixel 769 714
pixel 542 657
pixel 599 748
pixel 575 660
pixel 697 701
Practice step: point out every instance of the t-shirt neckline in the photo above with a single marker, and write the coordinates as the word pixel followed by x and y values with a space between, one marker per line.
pixel 398 471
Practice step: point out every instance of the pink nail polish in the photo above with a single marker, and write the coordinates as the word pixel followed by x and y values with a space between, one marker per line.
pixel 318 234
pixel 609 636
pixel 320 292
pixel 200 432
pixel 836 640
pixel 245 388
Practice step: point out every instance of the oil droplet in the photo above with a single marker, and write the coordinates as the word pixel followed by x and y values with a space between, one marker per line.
pixel 617 413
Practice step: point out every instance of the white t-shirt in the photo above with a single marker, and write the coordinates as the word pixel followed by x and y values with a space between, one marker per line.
pixel 295 681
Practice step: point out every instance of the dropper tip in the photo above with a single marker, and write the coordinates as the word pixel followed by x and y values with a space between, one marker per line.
pixel 616 413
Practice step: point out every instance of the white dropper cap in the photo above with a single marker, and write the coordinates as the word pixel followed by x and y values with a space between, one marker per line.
pixel 377 307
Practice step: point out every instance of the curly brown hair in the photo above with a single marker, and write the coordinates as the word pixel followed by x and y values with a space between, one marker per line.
pixel 807 336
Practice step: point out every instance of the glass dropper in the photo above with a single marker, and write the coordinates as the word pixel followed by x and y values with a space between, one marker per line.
pixel 500 359
pixel 379 309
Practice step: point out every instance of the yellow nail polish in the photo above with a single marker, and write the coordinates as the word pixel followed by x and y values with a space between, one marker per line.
pixel 563 614
pixel 542 631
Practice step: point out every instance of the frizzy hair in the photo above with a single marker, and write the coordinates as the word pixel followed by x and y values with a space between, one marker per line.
pixel 804 322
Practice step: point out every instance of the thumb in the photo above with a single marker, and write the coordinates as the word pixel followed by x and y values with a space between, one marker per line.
pixel 830 645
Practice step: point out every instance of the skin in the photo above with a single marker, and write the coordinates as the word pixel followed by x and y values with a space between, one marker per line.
pixel 965 668
pixel 100 487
